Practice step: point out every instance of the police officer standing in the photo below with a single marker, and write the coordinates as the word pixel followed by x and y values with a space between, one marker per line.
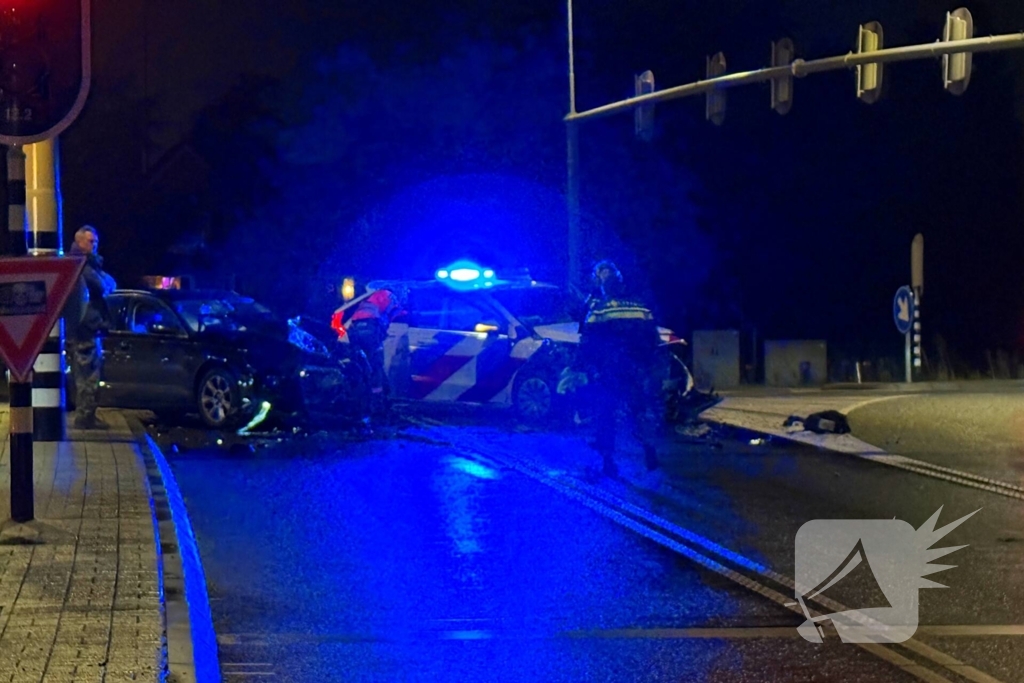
pixel 88 318
pixel 618 346
pixel 367 330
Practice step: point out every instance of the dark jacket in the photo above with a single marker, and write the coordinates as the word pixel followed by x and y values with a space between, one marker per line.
pixel 618 333
pixel 87 314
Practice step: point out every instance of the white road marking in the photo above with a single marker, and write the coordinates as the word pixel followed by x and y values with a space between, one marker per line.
pixel 666 533
pixel 850 445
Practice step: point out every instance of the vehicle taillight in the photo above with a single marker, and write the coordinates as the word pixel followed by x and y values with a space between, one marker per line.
pixel 336 324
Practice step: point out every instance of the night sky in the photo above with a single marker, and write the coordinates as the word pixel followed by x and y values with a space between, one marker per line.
pixel 796 226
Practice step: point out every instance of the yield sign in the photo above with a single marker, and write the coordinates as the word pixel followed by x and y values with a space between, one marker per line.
pixel 33 292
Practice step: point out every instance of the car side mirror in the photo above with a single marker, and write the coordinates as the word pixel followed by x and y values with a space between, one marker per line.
pixel 488 328
pixel 167 330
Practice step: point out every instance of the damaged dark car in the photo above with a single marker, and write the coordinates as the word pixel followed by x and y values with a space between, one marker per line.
pixel 223 357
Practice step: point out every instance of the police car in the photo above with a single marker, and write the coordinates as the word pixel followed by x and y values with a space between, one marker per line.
pixel 470 336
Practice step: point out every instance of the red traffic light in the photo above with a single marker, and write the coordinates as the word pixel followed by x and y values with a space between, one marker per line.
pixel 44 67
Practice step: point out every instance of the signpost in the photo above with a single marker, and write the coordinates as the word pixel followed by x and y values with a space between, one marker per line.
pixel 917 284
pixel 32 296
pixel 903 313
pixel 45 74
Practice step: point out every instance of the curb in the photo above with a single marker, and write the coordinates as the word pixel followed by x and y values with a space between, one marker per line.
pixel 951 386
pixel 190 643
pixel 851 446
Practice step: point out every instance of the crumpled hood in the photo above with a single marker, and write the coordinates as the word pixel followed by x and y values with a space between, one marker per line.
pixel 561 332
pixel 269 344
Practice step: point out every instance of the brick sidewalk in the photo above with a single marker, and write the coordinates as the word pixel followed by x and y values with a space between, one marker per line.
pixel 80 587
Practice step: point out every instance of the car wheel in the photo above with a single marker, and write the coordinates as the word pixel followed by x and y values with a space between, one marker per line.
pixel 218 398
pixel 534 396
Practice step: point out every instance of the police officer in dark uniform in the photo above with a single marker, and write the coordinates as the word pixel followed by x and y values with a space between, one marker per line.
pixel 618 345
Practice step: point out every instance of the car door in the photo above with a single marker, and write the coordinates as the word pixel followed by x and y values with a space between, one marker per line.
pixel 421 363
pixel 148 365
pixel 484 339
pixel 115 374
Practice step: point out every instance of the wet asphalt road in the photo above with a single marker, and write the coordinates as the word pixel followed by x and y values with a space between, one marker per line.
pixel 434 556
pixel 979 431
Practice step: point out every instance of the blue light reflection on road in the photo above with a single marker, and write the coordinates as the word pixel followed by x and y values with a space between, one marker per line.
pixel 404 562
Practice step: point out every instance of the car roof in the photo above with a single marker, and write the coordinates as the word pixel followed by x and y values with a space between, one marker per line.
pixel 500 285
pixel 175 295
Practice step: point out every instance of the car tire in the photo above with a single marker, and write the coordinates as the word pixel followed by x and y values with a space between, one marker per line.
pixel 218 398
pixel 535 397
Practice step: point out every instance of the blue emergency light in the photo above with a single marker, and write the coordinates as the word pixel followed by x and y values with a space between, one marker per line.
pixel 466 275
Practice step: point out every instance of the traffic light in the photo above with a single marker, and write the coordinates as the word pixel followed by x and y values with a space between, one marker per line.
pixel 869 76
pixel 956 68
pixel 782 88
pixel 44 67
pixel 643 116
pixel 715 110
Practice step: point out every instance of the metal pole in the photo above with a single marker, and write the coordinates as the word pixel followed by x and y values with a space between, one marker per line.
pixel 572 62
pixel 22 495
pixel 572 191
pixel 48 390
pixel 17 243
pixel 572 195
pixel 906 357
pixel 145 87
pixel 917 334
pixel 800 68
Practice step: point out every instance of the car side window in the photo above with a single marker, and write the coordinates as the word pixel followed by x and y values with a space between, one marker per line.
pixel 426 309
pixel 118 306
pixel 465 313
pixel 149 315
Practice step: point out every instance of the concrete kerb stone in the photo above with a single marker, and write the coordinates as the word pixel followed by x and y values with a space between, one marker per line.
pixel 190 642
pixel 849 445
pixel 951 386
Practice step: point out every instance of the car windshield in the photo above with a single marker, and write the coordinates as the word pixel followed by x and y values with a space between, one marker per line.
pixel 537 305
pixel 233 314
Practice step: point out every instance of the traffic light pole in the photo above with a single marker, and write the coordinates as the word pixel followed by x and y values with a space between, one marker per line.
pixel 21 439
pixel 61 73
pixel 22 499
pixel 572 191
pixel 572 197
pixel 800 68
pixel 17 245
pixel 22 495
pixel 48 383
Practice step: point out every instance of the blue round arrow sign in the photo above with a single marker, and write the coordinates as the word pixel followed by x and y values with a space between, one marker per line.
pixel 903 309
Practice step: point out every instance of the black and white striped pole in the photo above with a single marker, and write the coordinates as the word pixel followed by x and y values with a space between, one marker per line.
pixel 917 287
pixel 17 244
pixel 22 494
pixel 48 378
pixel 917 333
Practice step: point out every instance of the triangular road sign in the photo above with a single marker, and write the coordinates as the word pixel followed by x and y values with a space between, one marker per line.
pixel 33 292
